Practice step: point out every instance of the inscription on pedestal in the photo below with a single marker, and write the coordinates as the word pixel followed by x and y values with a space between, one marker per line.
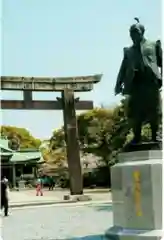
pixel 137 193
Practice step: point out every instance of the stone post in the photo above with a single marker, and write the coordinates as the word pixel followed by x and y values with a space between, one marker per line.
pixel 71 137
pixel 14 175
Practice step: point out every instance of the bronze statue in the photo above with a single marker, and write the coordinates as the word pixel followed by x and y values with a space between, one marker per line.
pixel 140 79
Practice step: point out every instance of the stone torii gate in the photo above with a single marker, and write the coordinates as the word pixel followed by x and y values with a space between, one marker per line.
pixel 68 103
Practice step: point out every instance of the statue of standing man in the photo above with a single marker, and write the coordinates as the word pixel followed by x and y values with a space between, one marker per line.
pixel 140 78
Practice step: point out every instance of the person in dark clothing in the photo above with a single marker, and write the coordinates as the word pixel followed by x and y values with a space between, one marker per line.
pixel 4 197
pixel 51 183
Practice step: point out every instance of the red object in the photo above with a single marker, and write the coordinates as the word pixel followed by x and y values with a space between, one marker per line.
pixel 39 190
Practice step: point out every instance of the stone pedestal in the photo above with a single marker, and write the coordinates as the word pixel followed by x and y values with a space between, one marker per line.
pixel 137 196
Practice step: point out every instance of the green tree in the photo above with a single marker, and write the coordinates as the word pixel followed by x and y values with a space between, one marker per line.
pixel 103 132
pixel 57 140
pixel 20 135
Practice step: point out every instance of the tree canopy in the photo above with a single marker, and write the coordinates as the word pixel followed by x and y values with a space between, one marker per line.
pixel 103 132
pixel 20 136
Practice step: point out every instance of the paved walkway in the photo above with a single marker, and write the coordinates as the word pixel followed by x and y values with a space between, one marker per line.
pixel 86 222
pixel 28 197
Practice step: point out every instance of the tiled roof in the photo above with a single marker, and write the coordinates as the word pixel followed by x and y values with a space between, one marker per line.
pixel 25 156
pixel 4 145
pixel 6 154
pixel 19 156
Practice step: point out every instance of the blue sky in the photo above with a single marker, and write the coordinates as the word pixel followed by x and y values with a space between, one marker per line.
pixel 68 38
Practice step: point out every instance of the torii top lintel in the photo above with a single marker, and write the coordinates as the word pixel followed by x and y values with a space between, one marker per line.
pixel 79 83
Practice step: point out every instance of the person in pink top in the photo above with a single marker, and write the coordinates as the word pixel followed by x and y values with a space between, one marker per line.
pixel 39 187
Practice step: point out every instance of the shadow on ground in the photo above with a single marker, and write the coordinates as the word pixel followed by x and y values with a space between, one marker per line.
pixel 104 207
pixel 91 237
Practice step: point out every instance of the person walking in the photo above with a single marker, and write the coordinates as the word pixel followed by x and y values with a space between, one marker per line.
pixel 51 183
pixel 4 197
pixel 5 180
pixel 39 186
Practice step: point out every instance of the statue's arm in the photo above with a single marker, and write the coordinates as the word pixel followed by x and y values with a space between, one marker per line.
pixel 159 53
pixel 121 74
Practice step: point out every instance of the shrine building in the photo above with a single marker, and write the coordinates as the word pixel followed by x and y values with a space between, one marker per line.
pixel 18 164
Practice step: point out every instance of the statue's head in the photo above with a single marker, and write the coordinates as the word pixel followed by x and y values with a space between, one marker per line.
pixel 137 32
